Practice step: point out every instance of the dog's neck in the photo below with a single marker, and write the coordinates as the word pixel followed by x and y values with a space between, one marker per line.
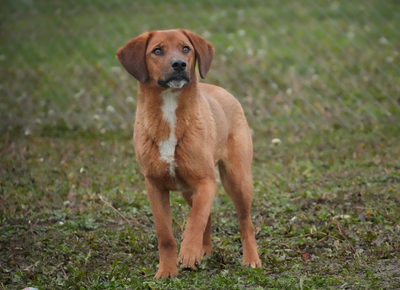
pixel 159 108
pixel 165 114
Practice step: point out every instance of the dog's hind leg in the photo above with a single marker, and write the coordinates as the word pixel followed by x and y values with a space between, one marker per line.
pixel 207 243
pixel 235 173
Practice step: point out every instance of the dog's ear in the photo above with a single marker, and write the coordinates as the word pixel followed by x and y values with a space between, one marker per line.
pixel 203 49
pixel 132 56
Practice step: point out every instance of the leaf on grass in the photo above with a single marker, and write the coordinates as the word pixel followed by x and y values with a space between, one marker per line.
pixel 305 256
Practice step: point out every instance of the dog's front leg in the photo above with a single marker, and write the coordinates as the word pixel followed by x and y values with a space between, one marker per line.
pixel 192 244
pixel 160 206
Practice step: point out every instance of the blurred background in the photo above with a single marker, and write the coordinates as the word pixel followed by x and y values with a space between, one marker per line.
pixel 294 65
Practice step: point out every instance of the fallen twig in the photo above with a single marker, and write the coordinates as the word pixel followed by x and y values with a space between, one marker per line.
pixel 319 241
pixel 342 235
pixel 31 228
pixel 65 274
pixel 322 233
pixel 316 233
pixel 128 221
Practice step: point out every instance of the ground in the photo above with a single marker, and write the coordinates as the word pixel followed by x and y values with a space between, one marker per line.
pixel 325 208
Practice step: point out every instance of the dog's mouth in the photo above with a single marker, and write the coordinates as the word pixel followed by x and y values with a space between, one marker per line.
pixel 175 81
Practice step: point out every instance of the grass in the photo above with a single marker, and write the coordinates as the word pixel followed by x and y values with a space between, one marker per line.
pixel 325 209
pixel 322 77
pixel 292 65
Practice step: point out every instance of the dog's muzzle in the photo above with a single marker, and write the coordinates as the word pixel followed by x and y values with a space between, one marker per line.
pixel 179 77
pixel 176 80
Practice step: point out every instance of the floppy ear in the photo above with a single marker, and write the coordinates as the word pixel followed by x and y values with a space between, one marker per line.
pixel 132 56
pixel 203 49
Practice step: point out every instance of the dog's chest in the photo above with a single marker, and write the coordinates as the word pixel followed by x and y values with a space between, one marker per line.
pixel 167 146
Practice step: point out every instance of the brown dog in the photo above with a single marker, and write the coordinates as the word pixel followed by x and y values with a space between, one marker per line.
pixel 183 129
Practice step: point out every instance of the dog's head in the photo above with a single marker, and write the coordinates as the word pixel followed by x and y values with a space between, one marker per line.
pixel 166 58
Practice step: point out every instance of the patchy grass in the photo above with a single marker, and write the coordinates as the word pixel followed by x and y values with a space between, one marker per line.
pixel 292 64
pixel 326 211
pixel 323 77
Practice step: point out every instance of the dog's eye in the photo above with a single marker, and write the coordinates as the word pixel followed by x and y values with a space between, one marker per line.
pixel 186 49
pixel 157 51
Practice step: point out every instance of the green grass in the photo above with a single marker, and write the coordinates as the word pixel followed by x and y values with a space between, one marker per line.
pixel 57 233
pixel 292 64
pixel 321 76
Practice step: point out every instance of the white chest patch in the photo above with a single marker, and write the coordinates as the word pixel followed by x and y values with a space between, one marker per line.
pixel 167 146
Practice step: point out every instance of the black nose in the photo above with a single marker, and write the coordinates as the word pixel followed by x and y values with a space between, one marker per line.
pixel 178 64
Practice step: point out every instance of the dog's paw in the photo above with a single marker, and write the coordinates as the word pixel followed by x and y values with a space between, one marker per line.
pixel 166 272
pixel 189 259
pixel 252 263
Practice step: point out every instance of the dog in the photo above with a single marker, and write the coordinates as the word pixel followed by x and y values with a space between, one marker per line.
pixel 183 130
